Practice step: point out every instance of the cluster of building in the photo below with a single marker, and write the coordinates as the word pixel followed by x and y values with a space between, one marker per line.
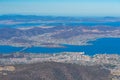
pixel 108 61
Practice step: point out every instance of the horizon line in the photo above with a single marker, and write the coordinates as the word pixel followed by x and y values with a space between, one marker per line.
pixel 62 15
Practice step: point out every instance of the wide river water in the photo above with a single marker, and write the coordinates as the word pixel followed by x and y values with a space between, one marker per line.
pixel 103 45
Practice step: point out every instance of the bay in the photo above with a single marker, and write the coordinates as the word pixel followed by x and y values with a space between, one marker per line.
pixel 99 46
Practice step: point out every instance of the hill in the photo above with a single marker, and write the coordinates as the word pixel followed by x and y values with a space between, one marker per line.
pixel 56 71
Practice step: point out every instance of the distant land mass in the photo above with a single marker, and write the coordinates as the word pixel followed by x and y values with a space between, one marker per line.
pixel 34 20
pixel 28 31
pixel 59 48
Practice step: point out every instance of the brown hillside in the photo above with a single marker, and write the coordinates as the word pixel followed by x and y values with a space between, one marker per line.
pixel 56 71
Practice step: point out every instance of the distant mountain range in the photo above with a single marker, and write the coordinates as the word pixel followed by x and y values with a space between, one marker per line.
pixel 34 20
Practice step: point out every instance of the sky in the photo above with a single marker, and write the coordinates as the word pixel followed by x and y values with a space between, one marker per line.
pixel 61 7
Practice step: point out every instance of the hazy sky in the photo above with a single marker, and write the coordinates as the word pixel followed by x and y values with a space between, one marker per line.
pixel 61 7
